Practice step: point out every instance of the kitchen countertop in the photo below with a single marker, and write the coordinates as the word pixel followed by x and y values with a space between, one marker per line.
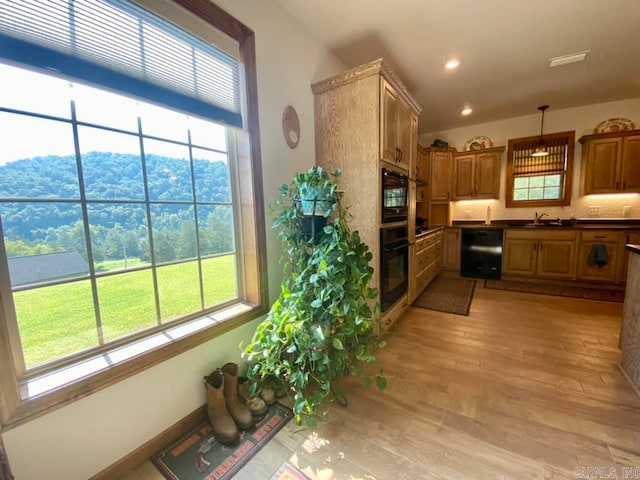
pixel 631 224
pixel 427 232
pixel 633 248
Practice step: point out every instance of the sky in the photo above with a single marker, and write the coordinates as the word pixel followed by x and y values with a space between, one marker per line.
pixel 23 136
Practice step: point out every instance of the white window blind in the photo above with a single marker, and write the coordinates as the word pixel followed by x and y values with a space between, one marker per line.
pixel 119 45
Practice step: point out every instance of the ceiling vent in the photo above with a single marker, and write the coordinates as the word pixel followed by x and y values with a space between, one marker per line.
pixel 565 59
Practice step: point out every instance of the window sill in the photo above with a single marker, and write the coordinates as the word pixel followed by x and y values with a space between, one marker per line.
pixel 47 392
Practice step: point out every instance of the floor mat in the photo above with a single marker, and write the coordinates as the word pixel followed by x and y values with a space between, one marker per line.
pixel 448 294
pixel 198 456
pixel 288 472
pixel 558 290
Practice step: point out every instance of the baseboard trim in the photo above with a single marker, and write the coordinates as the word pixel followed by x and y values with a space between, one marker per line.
pixel 144 452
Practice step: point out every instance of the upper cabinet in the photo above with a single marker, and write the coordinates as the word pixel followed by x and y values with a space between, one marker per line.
pixel 398 130
pixel 611 162
pixel 441 170
pixel 476 174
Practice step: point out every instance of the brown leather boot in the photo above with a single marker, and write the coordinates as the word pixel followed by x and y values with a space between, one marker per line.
pixel 253 402
pixel 224 428
pixel 240 413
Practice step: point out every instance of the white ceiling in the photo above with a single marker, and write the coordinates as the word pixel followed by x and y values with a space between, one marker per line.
pixel 504 47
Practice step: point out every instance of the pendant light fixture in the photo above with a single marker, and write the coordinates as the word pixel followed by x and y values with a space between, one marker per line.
pixel 541 150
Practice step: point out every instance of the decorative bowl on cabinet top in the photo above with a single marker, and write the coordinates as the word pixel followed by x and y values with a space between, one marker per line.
pixel 477 143
pixel 614 125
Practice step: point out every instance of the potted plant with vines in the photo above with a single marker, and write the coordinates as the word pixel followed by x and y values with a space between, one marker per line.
pixel 321 328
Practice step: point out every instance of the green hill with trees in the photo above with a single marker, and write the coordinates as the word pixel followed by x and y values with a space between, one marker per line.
pixel 115 190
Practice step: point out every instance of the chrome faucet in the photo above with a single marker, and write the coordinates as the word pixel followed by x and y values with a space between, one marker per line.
pixel 537 218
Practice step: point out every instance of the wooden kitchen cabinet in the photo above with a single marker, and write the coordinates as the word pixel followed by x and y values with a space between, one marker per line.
pixel 399 141
pixel 611 162
pixel 541 253
pixel 611 241
pixel 476 175
pixel 519 256
pixel 451 248
pixel 441 170
pixel 360 119
pixel 427 261
pixel 422 166
pixel 556 259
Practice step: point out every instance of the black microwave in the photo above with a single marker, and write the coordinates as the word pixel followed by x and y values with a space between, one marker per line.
pixel 395 195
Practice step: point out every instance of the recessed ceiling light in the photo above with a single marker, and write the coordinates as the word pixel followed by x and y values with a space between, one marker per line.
pixel 451 64
pixel 466 111
pixel 570 58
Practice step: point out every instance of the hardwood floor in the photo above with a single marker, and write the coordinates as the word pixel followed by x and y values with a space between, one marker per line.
pixel 525 387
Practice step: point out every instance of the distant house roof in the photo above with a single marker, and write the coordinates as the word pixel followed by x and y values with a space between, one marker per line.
pixel 49 266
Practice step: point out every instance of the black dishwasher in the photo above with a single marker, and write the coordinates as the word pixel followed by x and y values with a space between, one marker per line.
pixel 481 255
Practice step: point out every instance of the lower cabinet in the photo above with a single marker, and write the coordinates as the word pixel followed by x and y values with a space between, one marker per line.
pixel 427 262
pixel 591 244
pixel 568 254
pixel 542 253
pixel 451 248
pixel 556 259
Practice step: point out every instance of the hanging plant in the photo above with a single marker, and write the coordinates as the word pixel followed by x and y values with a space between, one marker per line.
pixel 321 328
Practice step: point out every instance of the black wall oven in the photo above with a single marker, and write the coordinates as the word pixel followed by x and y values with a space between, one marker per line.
pixel 394 265
pixel 395 190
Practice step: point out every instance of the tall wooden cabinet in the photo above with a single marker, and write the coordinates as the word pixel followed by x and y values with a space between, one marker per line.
pixel 365 119
pixel 440 174
pixel 611 162
pixel 476 174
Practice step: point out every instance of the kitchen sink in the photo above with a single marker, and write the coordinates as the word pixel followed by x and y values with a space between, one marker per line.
pixel 545 224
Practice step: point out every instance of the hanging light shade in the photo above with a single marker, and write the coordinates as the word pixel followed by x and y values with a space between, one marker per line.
pixel 541 150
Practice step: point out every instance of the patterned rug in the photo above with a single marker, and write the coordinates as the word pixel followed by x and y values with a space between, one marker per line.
pixel 197 455
pixel 288 472
pixel 448 294
pixel 557 290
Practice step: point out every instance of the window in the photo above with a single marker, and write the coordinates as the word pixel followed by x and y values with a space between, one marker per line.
pixel 540 181
pixel 127 234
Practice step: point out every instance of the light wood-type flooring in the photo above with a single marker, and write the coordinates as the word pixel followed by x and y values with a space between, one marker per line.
pixel 526 387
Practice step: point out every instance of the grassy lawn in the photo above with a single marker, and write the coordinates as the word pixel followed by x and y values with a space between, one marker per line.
pixel 60 320
pixel 119 264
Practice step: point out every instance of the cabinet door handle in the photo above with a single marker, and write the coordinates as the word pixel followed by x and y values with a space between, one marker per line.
pixel 540 246
pixel 400 159
pixel 535 247
pixel 624 184
pixel 600 236
pixel 617 184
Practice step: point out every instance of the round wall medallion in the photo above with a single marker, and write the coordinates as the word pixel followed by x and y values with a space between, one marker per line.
pixel 291 126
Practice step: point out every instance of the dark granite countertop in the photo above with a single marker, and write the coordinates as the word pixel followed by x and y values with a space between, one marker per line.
pixel 633 248
pixel 605 224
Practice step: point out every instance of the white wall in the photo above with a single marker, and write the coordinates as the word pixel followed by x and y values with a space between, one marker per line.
pixel 79 440
pixel 581 119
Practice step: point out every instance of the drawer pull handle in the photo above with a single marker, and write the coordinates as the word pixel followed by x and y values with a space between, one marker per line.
pixel 600 236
